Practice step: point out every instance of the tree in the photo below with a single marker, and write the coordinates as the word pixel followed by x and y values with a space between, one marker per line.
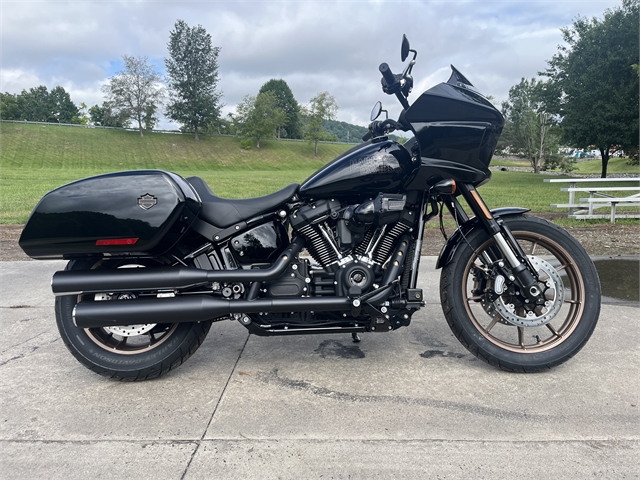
pixel 259 117
pixel 9 109
pixel 34 104
pixel 345 132
pixel 134 90
pixel 150 117
pixel 192 77
pixel 227 125
pixel 106 116
pixel 81 118
pixel 61 108
pixel 321 107
pixel 527 122
pixel 595 86
pixel 286 102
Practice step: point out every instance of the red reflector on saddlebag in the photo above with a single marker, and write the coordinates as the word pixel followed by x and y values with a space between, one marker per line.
pixel 117 241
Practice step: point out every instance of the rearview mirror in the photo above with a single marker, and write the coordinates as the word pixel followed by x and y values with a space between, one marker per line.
pixel 377 109
pixel 404 51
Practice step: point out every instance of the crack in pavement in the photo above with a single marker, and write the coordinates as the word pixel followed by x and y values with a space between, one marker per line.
pixel 273 378
pixel 30 350
pixel 199 442
pixel 21 343
pixel 595 443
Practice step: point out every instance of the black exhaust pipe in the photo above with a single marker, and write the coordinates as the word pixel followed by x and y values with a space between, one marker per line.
pixel 191 308
pixel 71 282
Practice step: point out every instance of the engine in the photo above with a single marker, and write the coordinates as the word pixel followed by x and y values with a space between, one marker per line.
pixel 351 243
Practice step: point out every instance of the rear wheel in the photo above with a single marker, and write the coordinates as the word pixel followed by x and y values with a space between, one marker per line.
pixel 133 352
pixel 508 330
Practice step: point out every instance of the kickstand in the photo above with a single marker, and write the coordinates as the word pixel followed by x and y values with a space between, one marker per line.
pixel 355 337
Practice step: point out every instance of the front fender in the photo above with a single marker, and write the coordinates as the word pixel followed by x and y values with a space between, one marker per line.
pixel 449 249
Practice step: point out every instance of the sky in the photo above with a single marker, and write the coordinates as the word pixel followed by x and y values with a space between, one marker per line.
pixel 315 46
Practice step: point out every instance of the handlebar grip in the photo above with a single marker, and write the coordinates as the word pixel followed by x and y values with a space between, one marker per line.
pixel 387 74
pixel 366 137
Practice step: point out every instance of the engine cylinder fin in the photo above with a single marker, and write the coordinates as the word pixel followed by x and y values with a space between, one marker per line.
pixel 384 248
pixel 361 249
pixel 317 246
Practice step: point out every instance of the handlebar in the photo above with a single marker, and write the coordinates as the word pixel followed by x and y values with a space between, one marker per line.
pixel 377 128
pixel 392 84
pixel 387 74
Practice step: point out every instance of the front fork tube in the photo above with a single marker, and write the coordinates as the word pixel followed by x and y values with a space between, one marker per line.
pixel 511 250
pixel 415 261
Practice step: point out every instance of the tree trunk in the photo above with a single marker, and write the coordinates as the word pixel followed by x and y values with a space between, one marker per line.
pixel 140 125
pixel 197 137
pixel 604 153
pixel 544 126
pixel 258 143
pixel 316 148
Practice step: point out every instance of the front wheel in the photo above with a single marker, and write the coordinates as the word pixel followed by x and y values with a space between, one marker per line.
pixel 133 352
pixel 508 330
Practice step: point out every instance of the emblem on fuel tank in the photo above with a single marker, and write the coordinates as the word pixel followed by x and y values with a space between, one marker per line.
pixel 374 163
pixel 147 201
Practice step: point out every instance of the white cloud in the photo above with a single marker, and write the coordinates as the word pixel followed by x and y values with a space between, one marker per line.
pixel 314 45
pixel 14 80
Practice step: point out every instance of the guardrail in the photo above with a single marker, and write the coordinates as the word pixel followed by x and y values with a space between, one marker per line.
pixel 173 132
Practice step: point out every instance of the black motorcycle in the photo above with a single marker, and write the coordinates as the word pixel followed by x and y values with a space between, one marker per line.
pixel 155 259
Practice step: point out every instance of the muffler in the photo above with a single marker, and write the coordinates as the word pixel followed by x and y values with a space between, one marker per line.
pixel 192 308
pixel 71 282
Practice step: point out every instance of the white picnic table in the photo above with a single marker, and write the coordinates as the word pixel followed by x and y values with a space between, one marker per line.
pixel 599 197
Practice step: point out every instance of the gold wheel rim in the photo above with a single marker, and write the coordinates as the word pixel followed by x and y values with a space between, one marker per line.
pixel 523 339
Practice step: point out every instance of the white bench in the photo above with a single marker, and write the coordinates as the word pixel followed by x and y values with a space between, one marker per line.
pixel 599 197
pixel 612 202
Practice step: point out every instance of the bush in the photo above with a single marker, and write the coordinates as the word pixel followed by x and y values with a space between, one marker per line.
pixel 555 161
pixel 246 143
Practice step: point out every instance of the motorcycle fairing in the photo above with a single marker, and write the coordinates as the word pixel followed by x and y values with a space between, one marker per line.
pixel 455 123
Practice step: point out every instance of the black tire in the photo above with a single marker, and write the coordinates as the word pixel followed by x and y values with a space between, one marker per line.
pixel 169 345
pixel 565 326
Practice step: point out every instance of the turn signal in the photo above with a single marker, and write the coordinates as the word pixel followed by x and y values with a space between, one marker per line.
pixel 446 187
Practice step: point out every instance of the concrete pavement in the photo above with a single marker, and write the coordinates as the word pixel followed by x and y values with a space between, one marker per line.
pixel 407 404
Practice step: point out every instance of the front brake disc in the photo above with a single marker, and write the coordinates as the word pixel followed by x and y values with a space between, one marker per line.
pixel 514 309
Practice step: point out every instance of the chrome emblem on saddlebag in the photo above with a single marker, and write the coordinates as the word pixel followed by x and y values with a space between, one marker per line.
pixel 147 201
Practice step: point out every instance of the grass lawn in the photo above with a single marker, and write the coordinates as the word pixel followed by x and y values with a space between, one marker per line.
pixel 498 161
pixel 615 165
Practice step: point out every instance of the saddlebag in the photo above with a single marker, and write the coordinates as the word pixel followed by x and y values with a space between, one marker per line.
pixel 136 211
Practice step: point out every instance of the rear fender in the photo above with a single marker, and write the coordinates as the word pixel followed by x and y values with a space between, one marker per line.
pixel 448 251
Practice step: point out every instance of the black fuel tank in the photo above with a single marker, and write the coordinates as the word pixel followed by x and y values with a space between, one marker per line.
pixel 118 212
pixel 366 169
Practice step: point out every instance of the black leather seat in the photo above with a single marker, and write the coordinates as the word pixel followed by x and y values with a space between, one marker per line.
pixel 224 212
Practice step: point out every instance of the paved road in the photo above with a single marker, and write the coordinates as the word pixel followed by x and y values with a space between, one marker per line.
pixel 408 404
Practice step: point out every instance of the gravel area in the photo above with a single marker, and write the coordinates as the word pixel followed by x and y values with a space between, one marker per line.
pixel 598 240
pixel 601 239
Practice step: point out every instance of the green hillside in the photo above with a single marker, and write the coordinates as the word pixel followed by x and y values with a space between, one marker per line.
pixel 37 158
